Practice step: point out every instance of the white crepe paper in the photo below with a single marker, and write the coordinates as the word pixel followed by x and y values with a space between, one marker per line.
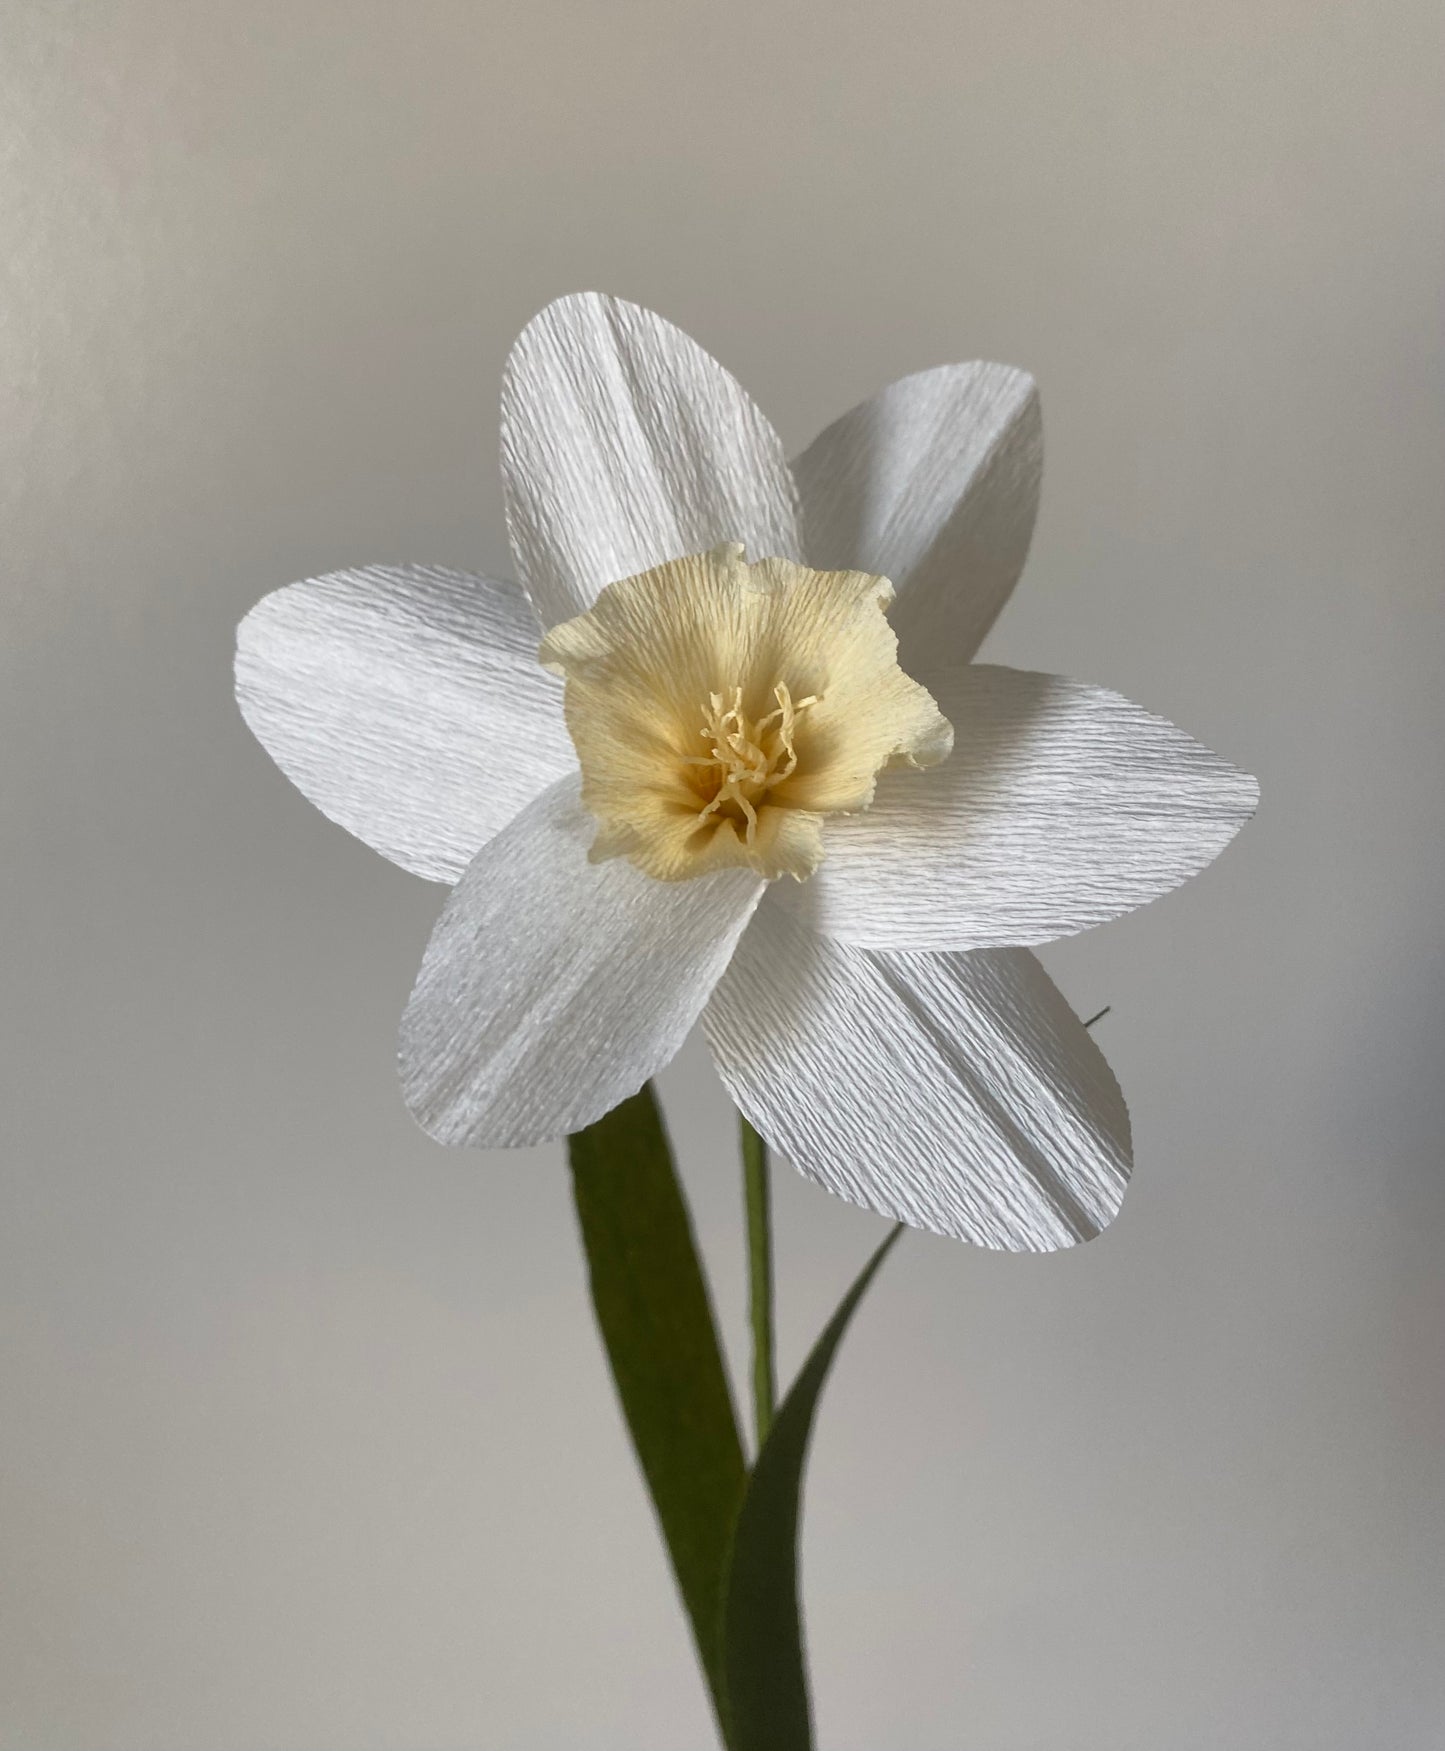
pixel 954 1092
pixel 934 483
pixel 623 445
pixel 880 1023
pixel 606 967
pixel 1064 805
pixel 407 703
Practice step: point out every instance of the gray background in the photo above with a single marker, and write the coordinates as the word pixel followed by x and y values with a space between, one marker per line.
pixel 307 1440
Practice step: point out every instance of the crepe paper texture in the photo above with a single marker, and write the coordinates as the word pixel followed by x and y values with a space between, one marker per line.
pixel 880 1022
pixel 723 712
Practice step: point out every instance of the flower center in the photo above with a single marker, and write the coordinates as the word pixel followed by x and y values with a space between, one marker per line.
pixel 747 759
pixel 722 711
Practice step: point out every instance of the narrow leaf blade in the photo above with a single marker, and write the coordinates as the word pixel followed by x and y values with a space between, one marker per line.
pixel 766 1675
pixel 656 1320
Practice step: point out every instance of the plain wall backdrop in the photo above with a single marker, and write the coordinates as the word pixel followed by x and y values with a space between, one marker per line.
pixel 307 1438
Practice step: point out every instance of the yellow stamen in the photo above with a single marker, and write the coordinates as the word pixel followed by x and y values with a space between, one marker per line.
pixel 749 761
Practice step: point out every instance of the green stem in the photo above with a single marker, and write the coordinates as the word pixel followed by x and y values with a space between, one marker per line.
pixel 760 1276
pixel 654 1312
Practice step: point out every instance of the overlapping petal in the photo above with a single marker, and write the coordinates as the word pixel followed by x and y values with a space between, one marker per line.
pixel 880 1023
pixel 406 702
pixel 625 445
pixel 934 483
pixel 954 1092
pixel 552 988
pixel 1063 805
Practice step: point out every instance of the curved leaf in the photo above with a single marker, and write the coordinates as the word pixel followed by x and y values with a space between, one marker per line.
pixel 656 1320
pixel 763 1663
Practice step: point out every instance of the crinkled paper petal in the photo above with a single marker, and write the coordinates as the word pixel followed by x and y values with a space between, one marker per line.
pixel 407 703
pixel 1062 805
pixel 552 988
pixel 955 1092
pixel 934 483
pixel 644 665
pixel 625 445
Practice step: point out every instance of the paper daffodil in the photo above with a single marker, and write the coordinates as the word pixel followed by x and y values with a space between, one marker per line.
pixel 722 754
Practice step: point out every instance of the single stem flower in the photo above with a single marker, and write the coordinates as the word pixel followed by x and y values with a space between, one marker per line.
pixel 755 780
pixel 758 1210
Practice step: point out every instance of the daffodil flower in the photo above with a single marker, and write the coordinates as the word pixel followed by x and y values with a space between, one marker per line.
pixel 722 755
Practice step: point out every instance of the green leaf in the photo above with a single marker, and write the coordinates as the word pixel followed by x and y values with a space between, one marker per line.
pixel 656 1320
pixel 767 1683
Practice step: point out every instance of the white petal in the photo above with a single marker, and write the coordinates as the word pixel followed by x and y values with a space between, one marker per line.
pixel 552 988
pixel 407 703
pixel 625 445
pixel 934 483
pixel 1062 806
pixel 954 1092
